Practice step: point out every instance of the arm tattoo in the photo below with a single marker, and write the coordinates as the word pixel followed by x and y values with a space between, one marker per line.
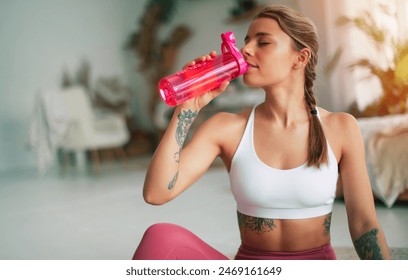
pixel 172 182
pixel 326 224
pixel 367 246
pixel 185 119
pixel 259 225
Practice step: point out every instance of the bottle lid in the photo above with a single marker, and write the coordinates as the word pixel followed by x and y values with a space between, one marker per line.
pixel 229 45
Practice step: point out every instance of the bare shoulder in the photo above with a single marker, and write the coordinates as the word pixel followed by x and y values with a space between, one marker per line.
pixel 339 122
pixel 225 130
pixel 225 122
pixel 342 131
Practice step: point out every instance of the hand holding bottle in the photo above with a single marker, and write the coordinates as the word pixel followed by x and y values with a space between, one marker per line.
pixel 208 74
pixel 199 101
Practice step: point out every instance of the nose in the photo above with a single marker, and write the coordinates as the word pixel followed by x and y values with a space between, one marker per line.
pixel 246 51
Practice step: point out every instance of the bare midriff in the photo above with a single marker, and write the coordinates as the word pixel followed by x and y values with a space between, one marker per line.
pixel 284 234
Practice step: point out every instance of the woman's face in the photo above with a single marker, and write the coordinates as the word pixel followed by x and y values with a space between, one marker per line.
pixel 269 52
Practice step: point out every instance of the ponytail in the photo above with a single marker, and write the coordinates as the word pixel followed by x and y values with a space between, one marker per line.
pixel 317 144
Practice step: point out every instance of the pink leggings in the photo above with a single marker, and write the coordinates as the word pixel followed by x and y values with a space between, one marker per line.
pixel 172 242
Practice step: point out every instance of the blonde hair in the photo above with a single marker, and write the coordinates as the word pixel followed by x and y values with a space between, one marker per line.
pixel 304 35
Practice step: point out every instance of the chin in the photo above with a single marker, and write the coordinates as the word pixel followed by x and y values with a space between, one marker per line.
pixel 251 82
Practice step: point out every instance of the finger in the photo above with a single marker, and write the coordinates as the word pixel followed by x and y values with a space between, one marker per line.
pixel 206 98
pixel 222 88
pixel 190 63
pixel 204 58
pixel 219 90
pixel 199 59
pixel 209 56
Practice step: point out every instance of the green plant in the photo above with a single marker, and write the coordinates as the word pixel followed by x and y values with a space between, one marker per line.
pixel 394 75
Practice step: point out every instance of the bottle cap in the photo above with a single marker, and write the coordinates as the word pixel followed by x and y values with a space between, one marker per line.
pixel 229 45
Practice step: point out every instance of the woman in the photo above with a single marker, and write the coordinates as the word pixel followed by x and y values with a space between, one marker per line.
pixel 283 157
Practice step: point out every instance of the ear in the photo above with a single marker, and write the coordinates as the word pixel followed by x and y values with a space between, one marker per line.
pixel 302 58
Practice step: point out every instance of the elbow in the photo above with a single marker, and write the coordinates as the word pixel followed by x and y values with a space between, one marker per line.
pixel 153 199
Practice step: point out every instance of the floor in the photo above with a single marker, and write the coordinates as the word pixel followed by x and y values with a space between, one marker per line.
pixel 80 215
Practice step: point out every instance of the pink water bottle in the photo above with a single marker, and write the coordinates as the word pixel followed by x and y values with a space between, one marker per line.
pixel 204 76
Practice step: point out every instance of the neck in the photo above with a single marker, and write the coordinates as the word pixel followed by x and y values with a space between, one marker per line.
pixel 285 106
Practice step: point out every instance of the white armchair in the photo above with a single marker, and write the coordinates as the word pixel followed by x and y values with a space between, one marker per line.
pixel 88 131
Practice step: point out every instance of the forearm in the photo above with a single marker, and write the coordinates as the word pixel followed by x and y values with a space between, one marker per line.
pixel 163 171
pixel 371 244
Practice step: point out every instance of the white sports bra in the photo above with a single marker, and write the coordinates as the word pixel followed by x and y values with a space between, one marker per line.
pixel 263 191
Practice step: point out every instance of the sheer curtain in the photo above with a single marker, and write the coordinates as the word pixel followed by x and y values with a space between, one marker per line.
pixel 402 15
pixel 335 90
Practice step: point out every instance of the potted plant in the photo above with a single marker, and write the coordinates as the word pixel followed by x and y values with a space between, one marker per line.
pixel 394 75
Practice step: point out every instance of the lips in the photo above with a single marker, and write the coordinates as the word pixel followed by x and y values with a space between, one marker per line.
pixel 251 65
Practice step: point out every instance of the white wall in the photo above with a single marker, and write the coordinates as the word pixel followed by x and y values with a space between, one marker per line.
pixel 38 39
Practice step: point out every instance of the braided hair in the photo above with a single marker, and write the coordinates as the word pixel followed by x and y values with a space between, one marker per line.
pixel 304 35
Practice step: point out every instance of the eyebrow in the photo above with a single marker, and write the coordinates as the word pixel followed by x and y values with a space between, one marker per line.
pixel 259 34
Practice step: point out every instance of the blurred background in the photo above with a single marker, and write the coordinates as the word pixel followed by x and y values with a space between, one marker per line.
pixel 118 49
pixel 79 103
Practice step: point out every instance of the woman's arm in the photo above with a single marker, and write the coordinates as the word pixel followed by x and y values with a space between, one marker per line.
pixel 173 168
pixel 366 233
